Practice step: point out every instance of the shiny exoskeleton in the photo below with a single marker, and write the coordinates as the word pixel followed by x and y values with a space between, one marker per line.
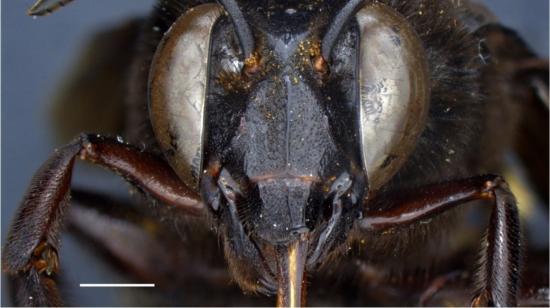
pixel 297 130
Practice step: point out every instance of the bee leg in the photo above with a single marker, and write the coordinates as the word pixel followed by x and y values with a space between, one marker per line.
pixel 33 239
pixel 122 235
pixel 382 287
pixel 517 80
pixel 379 287
pixel 532 138
pixel 45 7
pixel 498 276
pixel 34 289
pixel 137 243
pixel 437 284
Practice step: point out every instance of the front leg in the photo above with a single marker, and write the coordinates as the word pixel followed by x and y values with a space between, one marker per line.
pixel 30 253
pixel 498 276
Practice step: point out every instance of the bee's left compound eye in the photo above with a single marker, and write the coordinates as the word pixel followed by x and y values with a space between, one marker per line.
pixel 394 85
pixel 177 89
pixel 394 90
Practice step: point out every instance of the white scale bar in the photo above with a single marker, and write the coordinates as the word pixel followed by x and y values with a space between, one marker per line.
pixel 117 285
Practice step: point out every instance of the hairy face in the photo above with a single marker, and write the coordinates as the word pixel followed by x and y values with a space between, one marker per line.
pixel 280 126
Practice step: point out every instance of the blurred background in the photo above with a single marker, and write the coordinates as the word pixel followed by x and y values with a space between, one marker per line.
pixel 38 53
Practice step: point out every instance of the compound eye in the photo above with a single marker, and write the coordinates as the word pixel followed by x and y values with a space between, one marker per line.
pixel 394 91
pixel 177 90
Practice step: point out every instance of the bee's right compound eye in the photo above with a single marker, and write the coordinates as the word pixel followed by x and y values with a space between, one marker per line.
pixel 177 90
